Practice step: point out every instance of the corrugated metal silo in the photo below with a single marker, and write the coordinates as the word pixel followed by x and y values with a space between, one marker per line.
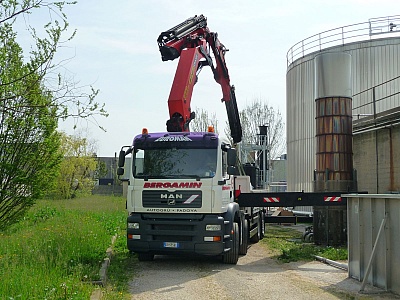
pixel 375 60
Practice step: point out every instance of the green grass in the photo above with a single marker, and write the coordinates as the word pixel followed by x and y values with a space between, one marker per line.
pixel 286 245
pixel 57 250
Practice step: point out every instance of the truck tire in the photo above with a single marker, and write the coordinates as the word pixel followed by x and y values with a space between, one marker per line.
pixel 245 239
pixel 309 238
pixel 145 256
pixel 232 256
pixel 304 235
pixel 257 237
pixel 262 232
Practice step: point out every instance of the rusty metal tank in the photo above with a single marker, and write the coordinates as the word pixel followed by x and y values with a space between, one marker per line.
pixel 334 153
pixel 334 134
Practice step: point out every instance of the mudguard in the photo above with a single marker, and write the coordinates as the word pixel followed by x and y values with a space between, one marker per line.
pixel 232 215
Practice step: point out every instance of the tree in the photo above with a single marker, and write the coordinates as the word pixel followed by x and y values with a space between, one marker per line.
pixel 33 97
pixel 203 120
pixel 29 141
pixel 259 113
pixel 78 167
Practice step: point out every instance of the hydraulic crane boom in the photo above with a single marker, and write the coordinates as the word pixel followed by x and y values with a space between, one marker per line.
pixel 190 42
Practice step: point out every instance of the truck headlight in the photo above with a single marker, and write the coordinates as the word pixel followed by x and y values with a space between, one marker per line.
pixel 133 225
pixel 211 227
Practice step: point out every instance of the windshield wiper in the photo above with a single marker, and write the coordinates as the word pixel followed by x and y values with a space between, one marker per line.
pixel 152 176
pixel 188 176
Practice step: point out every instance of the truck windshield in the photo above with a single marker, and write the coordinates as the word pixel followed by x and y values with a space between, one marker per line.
pixel 175 163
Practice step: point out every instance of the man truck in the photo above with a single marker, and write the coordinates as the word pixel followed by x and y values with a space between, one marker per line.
pixel 183 184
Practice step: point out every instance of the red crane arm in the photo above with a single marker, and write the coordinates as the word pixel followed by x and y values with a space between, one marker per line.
pixel 190 41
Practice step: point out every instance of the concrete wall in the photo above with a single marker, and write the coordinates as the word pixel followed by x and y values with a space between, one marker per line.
pixel 377 160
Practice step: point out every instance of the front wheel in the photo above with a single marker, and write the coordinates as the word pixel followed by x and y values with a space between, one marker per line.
pixel 232 256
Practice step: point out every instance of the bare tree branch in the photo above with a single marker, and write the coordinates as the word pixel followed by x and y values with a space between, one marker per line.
pixel 259 113
pixel 22 10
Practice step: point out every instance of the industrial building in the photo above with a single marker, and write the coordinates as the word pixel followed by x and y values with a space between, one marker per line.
pixel 343 130
pixel 374 48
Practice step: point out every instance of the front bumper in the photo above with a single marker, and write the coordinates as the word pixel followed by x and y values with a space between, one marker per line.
pixel 176 233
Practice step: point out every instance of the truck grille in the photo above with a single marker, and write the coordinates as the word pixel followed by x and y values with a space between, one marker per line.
pixel 176 199
pixel 177 232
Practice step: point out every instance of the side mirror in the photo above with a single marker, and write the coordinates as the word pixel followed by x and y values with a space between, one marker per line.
pixel 232 157
pixel 121 159
pixel 120 171
pixel 232 170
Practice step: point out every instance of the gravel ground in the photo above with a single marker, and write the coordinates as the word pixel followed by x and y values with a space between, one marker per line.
pixel 256 276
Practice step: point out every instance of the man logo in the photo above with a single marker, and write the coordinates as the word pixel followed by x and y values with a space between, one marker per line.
pixel 171 202
pixel 171 196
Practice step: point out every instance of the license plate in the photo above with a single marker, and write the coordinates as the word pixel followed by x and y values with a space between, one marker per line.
pixel 171 245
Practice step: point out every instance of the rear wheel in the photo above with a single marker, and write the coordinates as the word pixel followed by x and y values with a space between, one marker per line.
pixel 232 256
pixel 245 238
pixel 256 238
pixel 260 229
pixel 145 256
pixel 262 232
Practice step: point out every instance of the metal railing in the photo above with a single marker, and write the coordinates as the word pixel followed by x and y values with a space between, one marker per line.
pixel 377 99
pixel 372 29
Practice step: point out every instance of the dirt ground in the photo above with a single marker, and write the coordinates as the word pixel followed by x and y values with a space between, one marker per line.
pixel 256 276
